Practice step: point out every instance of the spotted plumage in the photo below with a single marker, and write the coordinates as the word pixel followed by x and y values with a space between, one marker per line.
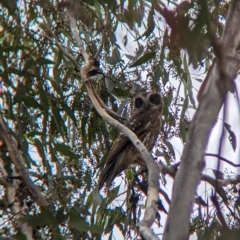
pixel 145 122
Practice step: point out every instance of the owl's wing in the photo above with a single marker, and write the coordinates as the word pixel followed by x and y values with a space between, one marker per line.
pixel 137 123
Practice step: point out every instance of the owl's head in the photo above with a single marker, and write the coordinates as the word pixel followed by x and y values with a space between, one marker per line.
pixel 148 101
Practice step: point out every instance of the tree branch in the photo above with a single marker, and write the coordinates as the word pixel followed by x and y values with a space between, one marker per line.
pixel 222 158
pixel 19 165
pixel 12 201
pixel 192 162
pixel 153 172
pixel 216 183
pixel 70 57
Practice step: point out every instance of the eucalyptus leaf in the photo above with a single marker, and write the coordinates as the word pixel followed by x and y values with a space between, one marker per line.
pixel 145 58
pixel 109 84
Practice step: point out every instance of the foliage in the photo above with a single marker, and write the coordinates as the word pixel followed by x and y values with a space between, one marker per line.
pixel 62 140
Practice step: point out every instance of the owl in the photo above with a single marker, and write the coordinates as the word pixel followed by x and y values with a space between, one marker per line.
pixel 145 122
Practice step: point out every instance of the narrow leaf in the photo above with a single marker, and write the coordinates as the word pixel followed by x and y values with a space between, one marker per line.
pixel 146 57
pixel 232 137
pixel 65 150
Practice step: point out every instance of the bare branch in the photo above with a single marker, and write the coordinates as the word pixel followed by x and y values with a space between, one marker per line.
pixel 165 195
pixel 220 183
pixel 192 162
pixel 170 170
pixel 222 158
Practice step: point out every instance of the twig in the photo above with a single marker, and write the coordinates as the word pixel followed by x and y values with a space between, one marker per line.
pixel 222 158
pixel 166 197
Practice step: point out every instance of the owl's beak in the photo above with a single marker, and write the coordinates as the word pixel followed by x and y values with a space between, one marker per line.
pixel 147 106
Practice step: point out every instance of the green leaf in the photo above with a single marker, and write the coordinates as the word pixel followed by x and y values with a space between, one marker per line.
pixel 95 229
pixel 30 102
pixel 34 221
pixel 45 61
pixel 125 40
pixel 139 50
pixel 184 107
pixel 15 48
pixel 47 214
pixel 129 174
pixel 158 72
pixel 170 147
pixel 98 9
pixel 97 198
pixel 65 150
pixel 113 193
pixel 10 5
pixel 146 57
pixel 18 236
pixel 232 137
pixel 138 15
pixel 130 57
pixel 189 81
pixel 79 224
pixel 198 79
pixel 88 180
pixel 128 18
pixel 69 112
pixel 115 57
pixel 29 64
pixel 150 24
pixel 38 144
pixel 109 84
pixel 89 201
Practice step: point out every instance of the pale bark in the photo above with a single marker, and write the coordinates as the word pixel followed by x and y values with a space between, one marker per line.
pixel 212 99
pixel 153 172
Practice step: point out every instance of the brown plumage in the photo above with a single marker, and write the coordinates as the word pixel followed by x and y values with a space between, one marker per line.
pixel 145 122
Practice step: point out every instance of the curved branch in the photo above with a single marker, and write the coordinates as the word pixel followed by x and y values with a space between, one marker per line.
pixel 153 172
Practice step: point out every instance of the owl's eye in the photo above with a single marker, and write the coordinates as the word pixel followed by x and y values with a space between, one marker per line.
pixel 155 99
pixel 138 102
